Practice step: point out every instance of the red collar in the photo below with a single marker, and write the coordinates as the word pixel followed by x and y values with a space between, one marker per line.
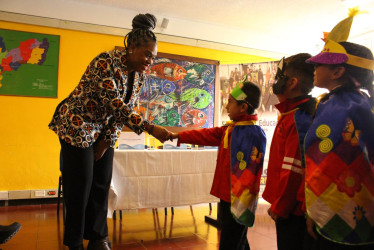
pixel 290 104
pixel 246 117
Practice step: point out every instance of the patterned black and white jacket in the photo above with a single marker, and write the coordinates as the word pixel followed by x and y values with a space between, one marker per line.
pixel 97 105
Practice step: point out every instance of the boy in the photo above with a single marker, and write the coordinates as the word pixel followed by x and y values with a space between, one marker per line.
pixel 339 145
pixel 284 188
pixel 239 163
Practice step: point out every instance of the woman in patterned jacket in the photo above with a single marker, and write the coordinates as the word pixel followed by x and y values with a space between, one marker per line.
pixel 88 123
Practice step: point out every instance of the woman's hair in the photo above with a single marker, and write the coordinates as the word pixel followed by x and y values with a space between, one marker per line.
pixel 253 98
pixel 142 26
pixel 356 75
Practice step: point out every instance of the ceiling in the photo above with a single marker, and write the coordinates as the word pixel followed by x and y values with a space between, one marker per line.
pixel 258 26
pixel 275 25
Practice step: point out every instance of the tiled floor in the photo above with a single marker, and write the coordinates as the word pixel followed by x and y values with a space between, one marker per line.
pixel 138 229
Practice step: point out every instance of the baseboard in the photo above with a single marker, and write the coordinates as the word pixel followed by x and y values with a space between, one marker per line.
pixel 27 202
pixel 28 194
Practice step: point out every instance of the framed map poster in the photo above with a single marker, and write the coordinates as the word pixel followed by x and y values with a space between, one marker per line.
pixel 180 92
pixel 28 63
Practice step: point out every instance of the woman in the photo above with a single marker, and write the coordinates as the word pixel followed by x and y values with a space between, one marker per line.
pixel 88 123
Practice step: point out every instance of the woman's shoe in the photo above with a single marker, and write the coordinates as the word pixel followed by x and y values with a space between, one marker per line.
pixel 101 244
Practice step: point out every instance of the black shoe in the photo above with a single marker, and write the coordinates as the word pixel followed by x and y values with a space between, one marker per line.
pixel 102 244
pixel 7 232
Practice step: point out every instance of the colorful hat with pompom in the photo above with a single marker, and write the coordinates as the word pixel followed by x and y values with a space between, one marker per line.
pixel 334 53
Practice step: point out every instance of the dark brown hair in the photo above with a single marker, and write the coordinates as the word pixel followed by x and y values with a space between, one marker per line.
pixel 142 26
pixel 253 98
pixel 297 67
pixel 364 77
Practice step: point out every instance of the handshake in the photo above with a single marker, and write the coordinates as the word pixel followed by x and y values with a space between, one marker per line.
pixel 162 134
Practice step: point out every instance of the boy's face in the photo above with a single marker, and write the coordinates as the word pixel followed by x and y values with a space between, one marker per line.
pixel 234 109
pixel 290 88
pixel 323 75
pixel 283 94
pixel 280 78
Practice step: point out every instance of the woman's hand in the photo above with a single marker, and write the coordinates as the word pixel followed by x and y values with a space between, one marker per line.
pixel 310 228
pixel 100 149
pixel 161 133
pixel 173 136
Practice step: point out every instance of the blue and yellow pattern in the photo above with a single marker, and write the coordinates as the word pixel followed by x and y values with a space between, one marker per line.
pixel 339 150
pixel 247 146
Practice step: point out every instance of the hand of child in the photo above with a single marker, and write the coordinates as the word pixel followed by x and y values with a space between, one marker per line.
pixel 272 215
pixel 310 228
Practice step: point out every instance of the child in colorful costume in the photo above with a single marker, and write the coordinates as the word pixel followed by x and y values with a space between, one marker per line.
pixel 239 163
pixel 284 188
pixel 339 146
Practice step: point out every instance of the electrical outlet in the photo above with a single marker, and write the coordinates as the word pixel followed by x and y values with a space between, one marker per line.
pixel 39 193
pixel 4 195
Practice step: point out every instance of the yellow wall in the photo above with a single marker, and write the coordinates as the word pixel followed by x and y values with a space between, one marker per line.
pixel 29 151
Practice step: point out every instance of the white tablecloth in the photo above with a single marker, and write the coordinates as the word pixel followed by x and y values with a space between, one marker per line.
pixel 161 178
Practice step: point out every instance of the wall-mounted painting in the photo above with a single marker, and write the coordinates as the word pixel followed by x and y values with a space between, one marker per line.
pixel 180 91
pixel 28 63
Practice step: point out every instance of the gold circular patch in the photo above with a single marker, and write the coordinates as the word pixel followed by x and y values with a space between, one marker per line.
pixel 242 165
pixel 323 131
pixel 325 145
pixel 240 156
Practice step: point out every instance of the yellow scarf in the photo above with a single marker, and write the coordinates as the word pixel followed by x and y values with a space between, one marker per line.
pixel 286 113
pixel 231 124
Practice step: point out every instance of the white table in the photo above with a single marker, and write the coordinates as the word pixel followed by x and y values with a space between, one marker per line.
pixel 161 178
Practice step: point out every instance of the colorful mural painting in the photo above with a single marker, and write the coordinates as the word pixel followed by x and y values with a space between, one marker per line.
pixel 179 93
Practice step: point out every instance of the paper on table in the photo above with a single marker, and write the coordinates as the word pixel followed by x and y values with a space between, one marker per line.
pixel 130 140
pixel 173 145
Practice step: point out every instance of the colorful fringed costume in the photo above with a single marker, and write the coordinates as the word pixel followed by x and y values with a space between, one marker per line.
pixel 239 163
pixel 247 156
pixel 339 149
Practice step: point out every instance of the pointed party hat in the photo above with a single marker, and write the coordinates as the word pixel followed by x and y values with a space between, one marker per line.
pixel 334 53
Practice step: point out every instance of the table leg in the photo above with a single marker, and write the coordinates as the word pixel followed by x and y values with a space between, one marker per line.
pixel 216 222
